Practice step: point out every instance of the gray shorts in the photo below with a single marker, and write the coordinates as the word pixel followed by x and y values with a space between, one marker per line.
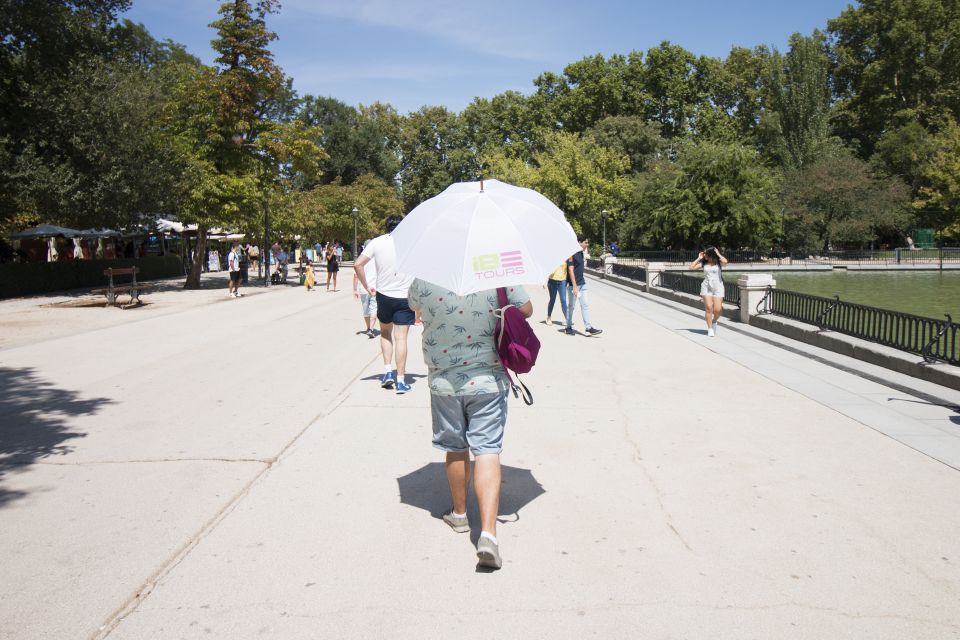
pixel 469 422
pixel 369 305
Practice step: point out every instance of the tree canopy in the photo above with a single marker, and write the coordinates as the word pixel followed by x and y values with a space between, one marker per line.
pixel 103 125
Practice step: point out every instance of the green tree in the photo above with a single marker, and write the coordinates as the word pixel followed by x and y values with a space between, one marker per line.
pixel 939 198
pixel 631 136
pixel 582 178
pixel 325 212
pixel 236 158
pixel 714 193
pixel 503 123
pixel 837 200
pixel 354 144
pixel 672 85
pixel 797 128
pixel 435 153
pixel 896 62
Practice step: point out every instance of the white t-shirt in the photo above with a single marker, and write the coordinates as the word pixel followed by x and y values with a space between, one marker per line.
pixel 370 273
pixel 389 282
pixel 233 261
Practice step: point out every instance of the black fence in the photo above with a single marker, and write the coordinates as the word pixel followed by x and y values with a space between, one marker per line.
pixel 946 255
pixel 928 337
pixel 630 271
pixel 686 283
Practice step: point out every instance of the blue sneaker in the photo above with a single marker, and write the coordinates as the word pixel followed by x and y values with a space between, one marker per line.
pixel 388 379
pixel 402 387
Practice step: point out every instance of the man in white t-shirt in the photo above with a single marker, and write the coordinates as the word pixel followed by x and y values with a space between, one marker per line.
pixel 393 310
pixel 233 265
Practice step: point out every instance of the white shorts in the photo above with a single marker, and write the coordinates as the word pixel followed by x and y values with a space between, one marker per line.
pixel 712 288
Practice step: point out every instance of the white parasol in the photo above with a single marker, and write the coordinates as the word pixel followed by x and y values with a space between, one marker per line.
pixel 482 235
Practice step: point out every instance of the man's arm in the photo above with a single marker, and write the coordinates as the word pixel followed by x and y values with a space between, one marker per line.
pixel 359 273
pixel 573 278
pixel 526 309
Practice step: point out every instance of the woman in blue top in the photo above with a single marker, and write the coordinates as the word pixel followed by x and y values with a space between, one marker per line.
pixel 712 288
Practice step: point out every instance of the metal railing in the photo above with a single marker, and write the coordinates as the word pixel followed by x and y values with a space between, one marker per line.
pixel 629 271
pixel 928 337
pixel 686 283
pixel 946 255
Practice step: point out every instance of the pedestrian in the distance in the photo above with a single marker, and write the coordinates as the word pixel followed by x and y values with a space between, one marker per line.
pixel 557 287
pixel 233 265
pixel 368 303
pixel 577 290
pixel 468 398
pixel 339 252
pixel 711 260
pixel 393 310
pixel 309 280
pixel 333 265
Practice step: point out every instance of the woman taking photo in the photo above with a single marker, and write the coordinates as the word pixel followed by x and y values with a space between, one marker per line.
pixel 333 265
pixel 712 288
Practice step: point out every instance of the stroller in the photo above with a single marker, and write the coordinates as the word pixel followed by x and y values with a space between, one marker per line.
pixel 280 275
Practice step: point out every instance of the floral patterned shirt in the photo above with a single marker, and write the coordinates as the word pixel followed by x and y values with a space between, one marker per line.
pixel 458 344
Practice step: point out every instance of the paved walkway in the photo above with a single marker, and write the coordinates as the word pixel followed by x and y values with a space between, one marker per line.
pixel 233 470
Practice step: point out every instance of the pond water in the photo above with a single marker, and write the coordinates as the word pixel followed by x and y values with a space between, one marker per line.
pixel 923 293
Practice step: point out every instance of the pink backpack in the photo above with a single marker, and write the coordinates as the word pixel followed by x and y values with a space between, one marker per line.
pixel 517 344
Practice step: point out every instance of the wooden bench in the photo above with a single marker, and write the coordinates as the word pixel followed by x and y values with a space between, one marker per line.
pixel 134 288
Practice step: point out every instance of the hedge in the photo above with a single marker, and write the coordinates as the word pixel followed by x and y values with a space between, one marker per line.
pixel 28 278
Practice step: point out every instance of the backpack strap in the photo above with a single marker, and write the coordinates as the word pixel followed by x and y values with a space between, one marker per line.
pixel 519 389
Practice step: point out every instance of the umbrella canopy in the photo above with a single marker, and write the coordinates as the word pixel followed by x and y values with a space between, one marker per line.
pixel 482 235
pixel 45 231
pixel 98 233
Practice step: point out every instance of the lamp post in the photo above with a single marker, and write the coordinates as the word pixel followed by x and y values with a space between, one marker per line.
pixel 603 216
pixel 355 211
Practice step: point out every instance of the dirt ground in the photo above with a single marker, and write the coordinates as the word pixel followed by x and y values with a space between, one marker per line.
pixel 45 317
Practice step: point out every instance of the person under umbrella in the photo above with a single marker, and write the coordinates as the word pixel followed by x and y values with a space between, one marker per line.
pixel 480 239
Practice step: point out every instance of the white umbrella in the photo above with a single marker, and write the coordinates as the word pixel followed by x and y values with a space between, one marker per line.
pixel 482 235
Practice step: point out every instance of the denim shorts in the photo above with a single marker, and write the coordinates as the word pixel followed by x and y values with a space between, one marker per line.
pixel 369 305
pixel 469 422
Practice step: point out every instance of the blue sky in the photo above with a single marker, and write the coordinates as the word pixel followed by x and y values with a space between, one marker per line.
pixel 411 53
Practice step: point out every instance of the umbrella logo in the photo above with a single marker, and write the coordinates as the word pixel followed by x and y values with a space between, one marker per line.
pixel 498 265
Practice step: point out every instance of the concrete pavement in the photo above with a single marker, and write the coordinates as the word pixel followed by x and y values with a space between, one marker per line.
pixel 234 471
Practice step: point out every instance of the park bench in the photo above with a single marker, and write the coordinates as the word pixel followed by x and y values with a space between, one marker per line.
pixel 134 288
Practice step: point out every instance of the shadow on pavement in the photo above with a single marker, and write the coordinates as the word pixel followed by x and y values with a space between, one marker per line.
pixel 33 422
pixel 426 488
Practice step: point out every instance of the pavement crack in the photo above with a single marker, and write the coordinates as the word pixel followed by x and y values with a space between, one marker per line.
pixel 638 460
pixel 181 554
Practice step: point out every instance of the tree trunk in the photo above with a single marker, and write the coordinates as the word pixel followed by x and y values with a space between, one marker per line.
pixel 193 278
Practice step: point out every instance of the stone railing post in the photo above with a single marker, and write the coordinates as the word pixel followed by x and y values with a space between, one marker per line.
pixel 753 286
pixel 654 269
pixel 608 262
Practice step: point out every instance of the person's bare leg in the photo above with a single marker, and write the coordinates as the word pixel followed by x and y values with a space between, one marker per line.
pixel 328 280
pixel 400 345
pixel 386 342
pixel 458 477
pixel 334 280
pixel 708 311
pixel 486 483
pixel 717 308
pixel 367 321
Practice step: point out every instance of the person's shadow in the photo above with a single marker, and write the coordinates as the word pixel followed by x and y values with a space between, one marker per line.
pixel 427 489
